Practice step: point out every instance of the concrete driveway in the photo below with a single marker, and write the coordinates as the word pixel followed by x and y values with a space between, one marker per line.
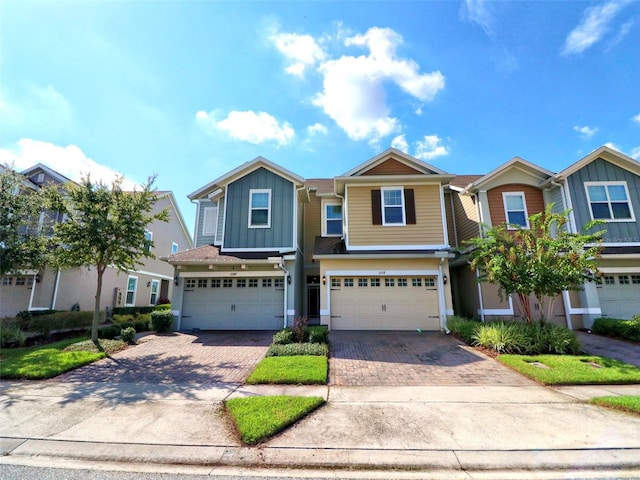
pixel 412 359
pixel 206 358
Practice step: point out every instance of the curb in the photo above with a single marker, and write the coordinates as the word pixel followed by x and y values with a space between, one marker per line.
pixel 353 459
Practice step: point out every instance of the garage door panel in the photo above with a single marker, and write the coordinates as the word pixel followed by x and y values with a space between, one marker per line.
pixel 619 294
pixel 232 304
pixel 384 303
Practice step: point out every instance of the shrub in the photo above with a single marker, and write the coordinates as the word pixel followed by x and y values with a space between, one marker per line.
pixel 292 349
pixel 121 318
pixel 284 337
pixel 127 334
pixel 500 337
pixel 318 334
pixel 163 301
pixel 109 333
pixel 161 321
pixel 12 336
pixel 163 306
pixel 141 325
pixel 614 327
pixel 132 310
pixel 526 339
pixel 49 322
pixel 463 328
pixel 299 329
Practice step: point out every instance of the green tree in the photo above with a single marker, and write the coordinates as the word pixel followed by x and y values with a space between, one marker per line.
pixel 22 239
pixel 543 260
pixel 105 228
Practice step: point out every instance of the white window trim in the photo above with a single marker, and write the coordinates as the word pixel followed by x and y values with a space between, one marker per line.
pixel 209 228
pixel 259 190
pixel 611 220
pixel 402 205
pixel 135 289
pixel 157 283
pixel 147 246
pixel 174 246
pixel 506 210
pixel 325 204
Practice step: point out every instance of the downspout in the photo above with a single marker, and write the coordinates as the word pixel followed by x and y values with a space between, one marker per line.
pixel 453 218
pixel 33 291
pixel 480 300
pixel 286 284
pixel 441 301
pixel 55 290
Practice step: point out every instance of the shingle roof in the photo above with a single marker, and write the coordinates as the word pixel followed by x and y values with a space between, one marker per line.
pixel 204 254
pixel 320 185
pixel 462 181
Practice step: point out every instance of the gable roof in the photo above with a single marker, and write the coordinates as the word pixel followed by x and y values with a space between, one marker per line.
pixel 49 171
pixel 515 163
pixel 322 186
pixel 243 170
pixel 395 154
pixel 606 153
pixel 183 225
pixel 461 181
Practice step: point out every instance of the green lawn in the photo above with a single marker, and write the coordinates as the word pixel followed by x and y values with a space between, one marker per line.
pixel 627 403
pixel 301 369
pixel 573 370
pixel 46 361
pixel 258 418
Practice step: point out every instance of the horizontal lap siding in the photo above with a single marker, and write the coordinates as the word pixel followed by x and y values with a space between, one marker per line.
pixel 466 215
pixel 427 230
pixel 312 226
pixel 533 198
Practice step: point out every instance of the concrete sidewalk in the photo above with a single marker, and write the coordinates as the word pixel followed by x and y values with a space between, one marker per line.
pixel 449 428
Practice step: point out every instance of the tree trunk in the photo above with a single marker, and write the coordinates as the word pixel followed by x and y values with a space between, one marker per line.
pixel 96 307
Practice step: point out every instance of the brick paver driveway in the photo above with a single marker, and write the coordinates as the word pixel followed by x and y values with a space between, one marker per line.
pixel 410 359
pixel 203 359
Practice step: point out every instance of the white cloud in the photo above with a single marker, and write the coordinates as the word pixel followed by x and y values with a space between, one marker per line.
pixel 585 131
pixel 354 94
pixel 316 129
pixel 636 118
pixel 400 143
pixel 430 147
pixel 70 161
pixel 596 22
pixel 302 51
pixel 479 11
pixel 249 126
pixel 635 153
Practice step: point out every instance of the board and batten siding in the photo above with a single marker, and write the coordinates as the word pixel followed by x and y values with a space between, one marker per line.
pixel 602 171
pixel 532 196
pixel 237 233
pixel 555 196
pixel 428 229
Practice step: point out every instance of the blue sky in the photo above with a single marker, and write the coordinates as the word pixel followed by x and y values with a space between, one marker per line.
pixel 191 89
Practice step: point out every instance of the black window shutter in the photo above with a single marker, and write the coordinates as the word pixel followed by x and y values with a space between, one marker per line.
pixel 409 206
pixel 376 207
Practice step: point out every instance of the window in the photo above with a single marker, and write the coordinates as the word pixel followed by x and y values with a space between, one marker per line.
pixel 362 282
pixel 635 279
pixel 609 280
pixel 227 283
pixel 278 283
pixel 190 283
pixel 623 279
pixel 375 282
pixel 515 209
pixel 209 221
pixel 402 282
pixel 429 282
pixel 253 283
pixel 416 282
pixel 392 206
pixel 132 284
pixel 148 238
pixel 215 283
pixel 174 248
pixel 266 283
pixel 7 281
pixel 241 283
pixel 335 283
pixel 348 282
pixel 259 208
pixel 29 281
pixel 203 283
pixel 155 284
pixel 609 201
pixel 389 282
pixel 20 281
pixel 332 219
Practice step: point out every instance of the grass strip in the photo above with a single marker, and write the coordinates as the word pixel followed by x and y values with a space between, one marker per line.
pixel 626 403
pixel 573 369
pixel 46 361
pixel 300 369
pixel 258 418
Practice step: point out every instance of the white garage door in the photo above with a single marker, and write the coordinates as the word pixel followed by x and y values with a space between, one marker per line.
pixel 233 304
pixel 384 303
pixel 619 295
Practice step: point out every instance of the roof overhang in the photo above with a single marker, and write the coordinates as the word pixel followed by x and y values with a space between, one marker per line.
pixel 537 174
pixel 404 180
pixel 393 153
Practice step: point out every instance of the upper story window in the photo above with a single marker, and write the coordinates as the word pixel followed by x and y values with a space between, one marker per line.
pixel 148 238
pixel 259 208
pixel 174 248
pixel 332 221
pixel 209 221
pixel 609 201
pixel 515 209
pixel 393 206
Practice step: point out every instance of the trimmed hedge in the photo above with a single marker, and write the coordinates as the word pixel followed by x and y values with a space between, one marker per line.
pixel 132 310
pixel 614 327
pixel 161 321
pixel 45 324
pixel 314 334
pixel 293 349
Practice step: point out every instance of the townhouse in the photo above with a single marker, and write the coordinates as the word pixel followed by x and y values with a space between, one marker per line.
pixel 63 289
